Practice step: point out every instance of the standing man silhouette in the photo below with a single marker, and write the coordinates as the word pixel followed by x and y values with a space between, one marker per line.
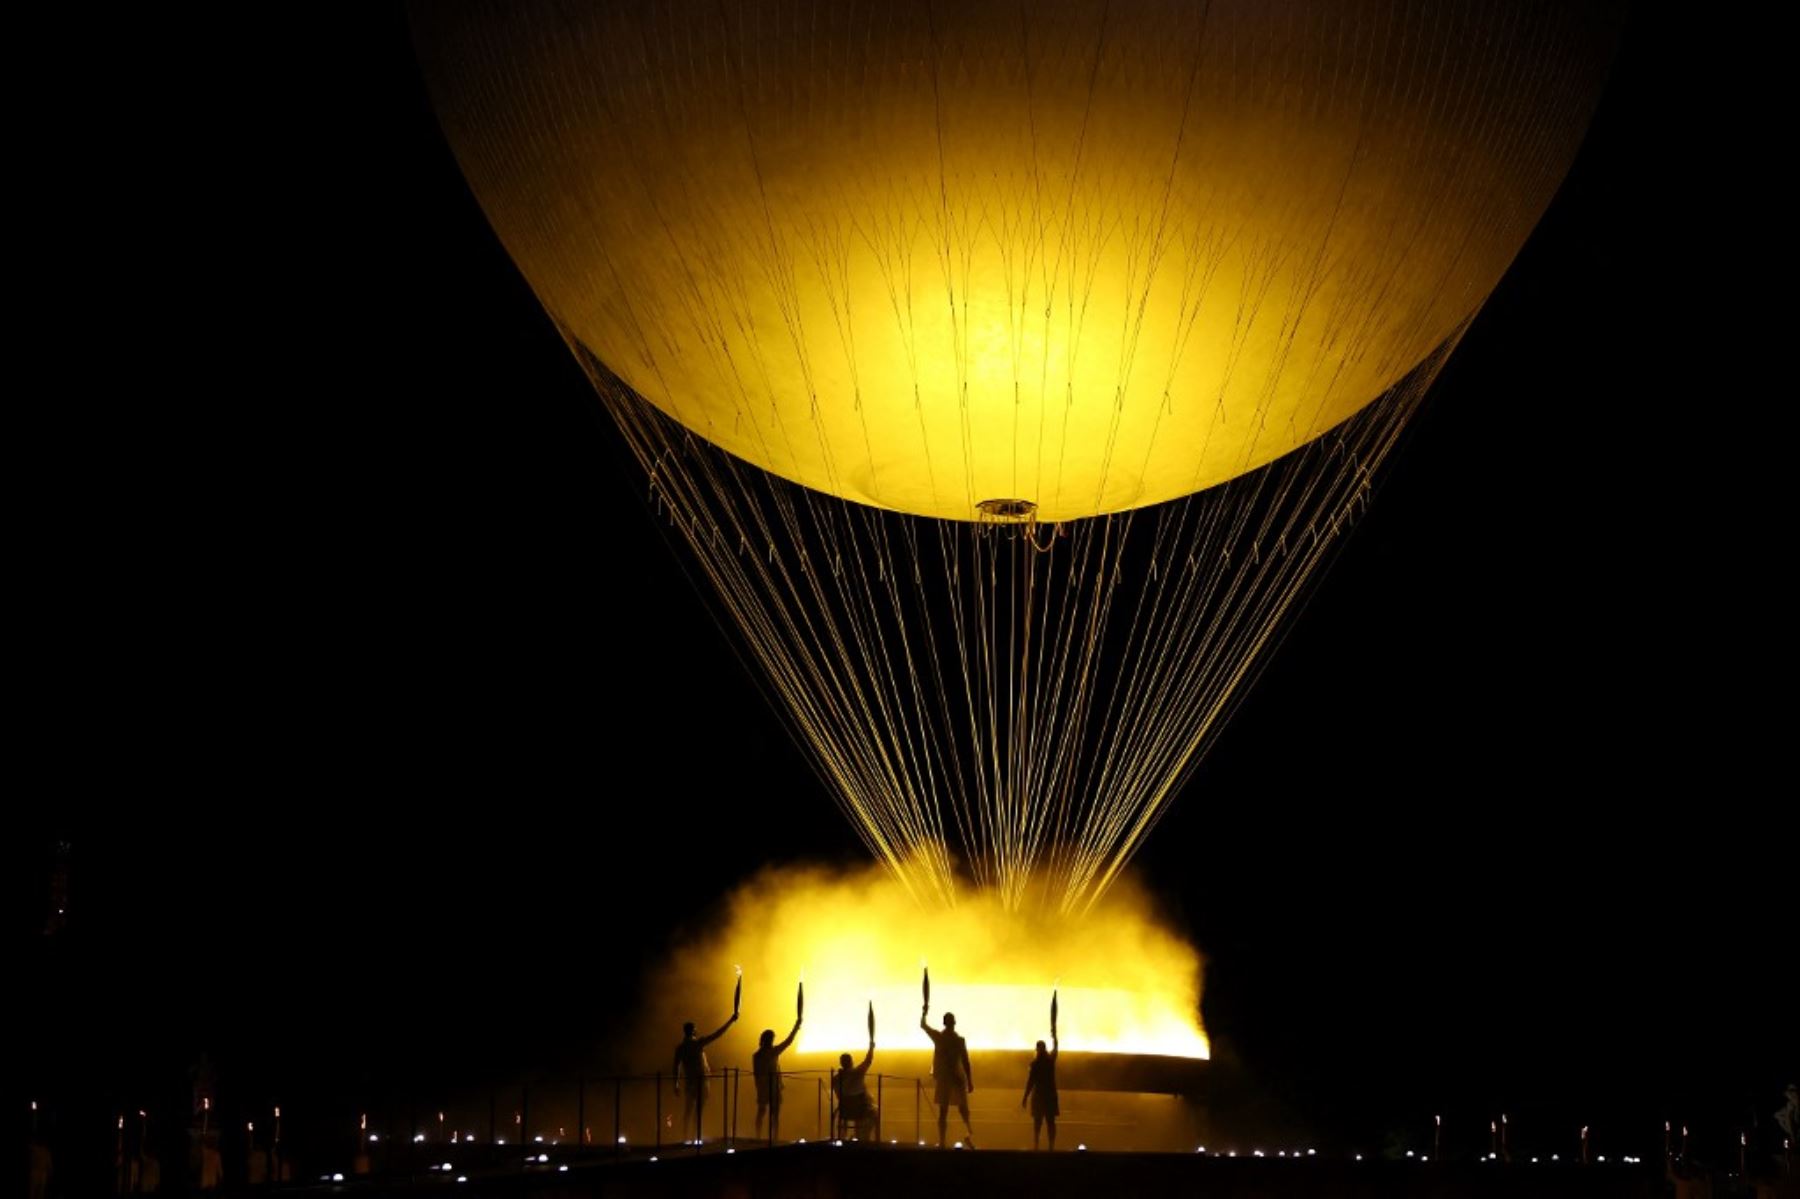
pixel 690 1064
pixel 1040 1092
pixel 955 1078
pixel 765 1070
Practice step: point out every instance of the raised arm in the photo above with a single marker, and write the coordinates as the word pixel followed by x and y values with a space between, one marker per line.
pixel 718 1032
pixel 782 1048
pixel 929 1031
pixel 867 1058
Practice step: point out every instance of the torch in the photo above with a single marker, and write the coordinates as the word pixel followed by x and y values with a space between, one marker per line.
pixel 1584 1145
pixel 871 1021
pixel 205 1118
pixel 737 994
pixel 1493 1138
pixel 925 983
pixel 1505 1153
pixel 1743 1152
pixel 800 1000
pixel 1665 1140
pixel 1684 1140
pixel 1437 1138
pixel 1053 990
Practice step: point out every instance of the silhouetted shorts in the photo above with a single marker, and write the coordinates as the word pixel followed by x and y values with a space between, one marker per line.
pixel 950 1093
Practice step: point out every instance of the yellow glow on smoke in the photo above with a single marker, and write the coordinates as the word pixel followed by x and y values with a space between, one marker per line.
pixel 1127 983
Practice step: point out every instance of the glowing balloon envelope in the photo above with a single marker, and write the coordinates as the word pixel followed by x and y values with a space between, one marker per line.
pixel 1079 256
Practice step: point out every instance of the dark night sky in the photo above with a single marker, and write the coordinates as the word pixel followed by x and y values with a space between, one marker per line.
pixel 376 707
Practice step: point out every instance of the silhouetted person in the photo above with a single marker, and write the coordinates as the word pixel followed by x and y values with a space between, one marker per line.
pixel 765 1069
pixel 1692 1180
pixel 855 1109
pixel 1769 1178
pixel 690 1065
pixel 955 1078
pixel 1788 1118
pixel 40 1169
pixel 1040 1092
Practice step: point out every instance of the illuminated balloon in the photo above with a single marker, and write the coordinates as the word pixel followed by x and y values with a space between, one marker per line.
pixel 908 308
pixel 1087 256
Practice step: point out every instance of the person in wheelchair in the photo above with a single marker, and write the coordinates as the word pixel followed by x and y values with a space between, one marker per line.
pixel 856 1111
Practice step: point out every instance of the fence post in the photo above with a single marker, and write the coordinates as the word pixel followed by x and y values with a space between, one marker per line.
pixel 618 1093
pixel 658 1110
pixel 878 1081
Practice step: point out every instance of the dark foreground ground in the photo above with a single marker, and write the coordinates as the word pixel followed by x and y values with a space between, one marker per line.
pixel 824 1171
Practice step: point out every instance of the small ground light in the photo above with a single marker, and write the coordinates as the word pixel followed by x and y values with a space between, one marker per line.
pixel 621 1140
pixel 1359 1157
pixel 728 1151
pixel 462 1178
pixel 543 1157
pixel 337 1178
pixel 562 1169
pixel 1081 1148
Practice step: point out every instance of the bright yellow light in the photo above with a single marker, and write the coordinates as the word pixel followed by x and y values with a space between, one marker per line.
pixel 1012 1016
pixel 1091 261
pixel 1128 984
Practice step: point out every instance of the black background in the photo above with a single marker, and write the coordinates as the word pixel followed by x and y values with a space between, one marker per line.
pixel 377 713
